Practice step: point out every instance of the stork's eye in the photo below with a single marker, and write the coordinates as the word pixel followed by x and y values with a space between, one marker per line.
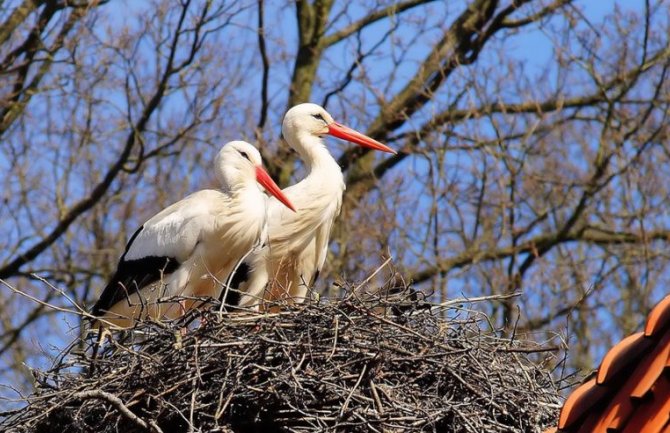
pixel 318 117
pixel 244 154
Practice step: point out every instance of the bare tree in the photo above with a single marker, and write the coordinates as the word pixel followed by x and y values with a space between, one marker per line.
pixel 112 110
pixel 532 138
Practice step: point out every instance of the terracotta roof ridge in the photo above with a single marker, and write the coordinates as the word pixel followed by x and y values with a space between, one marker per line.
pixel 631 389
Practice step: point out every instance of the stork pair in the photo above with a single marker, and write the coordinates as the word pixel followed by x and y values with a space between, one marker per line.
pixel 236 240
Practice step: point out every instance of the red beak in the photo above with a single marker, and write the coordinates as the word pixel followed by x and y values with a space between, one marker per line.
pixel 344 132
pixel 270 186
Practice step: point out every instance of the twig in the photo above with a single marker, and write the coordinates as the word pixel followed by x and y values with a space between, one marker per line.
pixel 118 405
pixel 371 276
pixel 375 395
pixel 358 382
pixel 337 328
pixel 472 300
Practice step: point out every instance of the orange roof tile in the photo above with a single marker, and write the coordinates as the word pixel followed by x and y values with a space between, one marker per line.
pixel 631 390
pixel 658 318
pixel 579 402
pixel 621 356
pixel 653 417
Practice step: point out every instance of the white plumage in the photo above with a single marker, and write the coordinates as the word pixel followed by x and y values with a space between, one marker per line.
pixel 298 242
pixel 192 246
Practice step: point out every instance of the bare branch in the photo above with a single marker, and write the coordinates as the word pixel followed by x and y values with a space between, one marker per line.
pixel 371 18
pixel 543 242
pixel 18 17
pixel 118 405
pixel 266 67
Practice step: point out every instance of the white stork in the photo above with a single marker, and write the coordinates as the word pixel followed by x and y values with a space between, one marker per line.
pixel 192 246
pixel 298 242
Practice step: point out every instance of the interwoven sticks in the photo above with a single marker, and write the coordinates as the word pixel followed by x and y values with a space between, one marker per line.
pixel 333 366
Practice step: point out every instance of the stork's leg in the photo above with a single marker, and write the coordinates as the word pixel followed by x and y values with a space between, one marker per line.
pixel 182 312
pixel 103 333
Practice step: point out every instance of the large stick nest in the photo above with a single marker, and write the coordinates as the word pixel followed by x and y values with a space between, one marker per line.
pixel 345 365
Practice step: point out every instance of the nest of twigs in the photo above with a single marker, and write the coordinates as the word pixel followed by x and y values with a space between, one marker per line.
pixel 346 365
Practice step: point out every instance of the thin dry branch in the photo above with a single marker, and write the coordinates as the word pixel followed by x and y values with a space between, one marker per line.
pixel 118 405
pixel 371 18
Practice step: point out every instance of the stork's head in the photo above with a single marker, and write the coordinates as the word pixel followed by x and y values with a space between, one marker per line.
pixel 305 120
pixel 239 164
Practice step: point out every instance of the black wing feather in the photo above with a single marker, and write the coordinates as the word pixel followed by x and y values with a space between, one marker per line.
pixel 131 276
pixel 233 296
pixel 315 277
